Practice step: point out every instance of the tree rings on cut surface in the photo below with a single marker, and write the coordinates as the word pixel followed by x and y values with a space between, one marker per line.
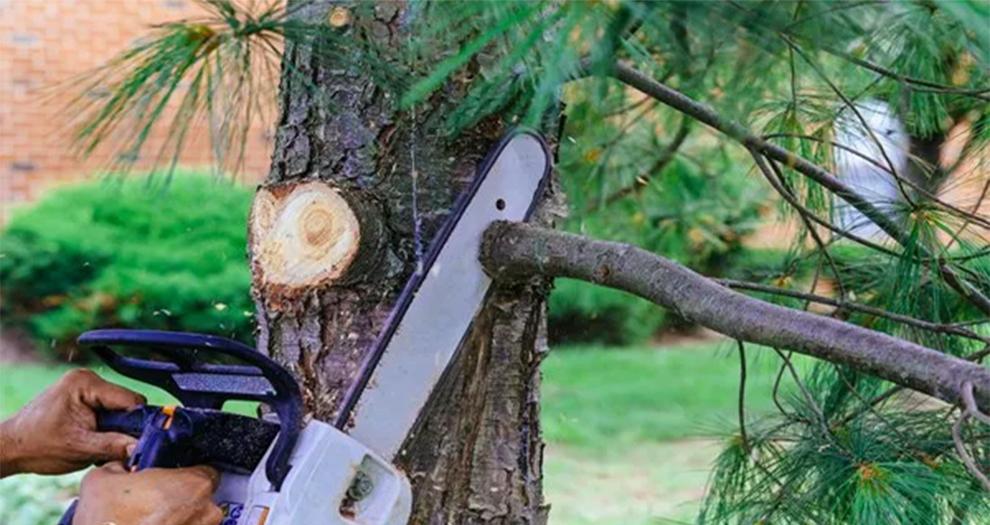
pixel 305 235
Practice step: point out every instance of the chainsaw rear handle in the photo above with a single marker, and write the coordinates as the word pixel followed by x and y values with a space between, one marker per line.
pixel 184 369
pixel 175 437
pixel 148 452
pixel 70 513
pixel 181 366
pixel 130 422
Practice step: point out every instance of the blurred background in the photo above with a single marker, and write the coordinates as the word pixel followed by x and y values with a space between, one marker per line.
pixel 636 400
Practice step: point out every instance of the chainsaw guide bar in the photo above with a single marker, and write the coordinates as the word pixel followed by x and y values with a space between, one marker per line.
pixel 438 304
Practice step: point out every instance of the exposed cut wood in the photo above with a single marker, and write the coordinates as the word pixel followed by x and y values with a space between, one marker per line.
pixel 305 235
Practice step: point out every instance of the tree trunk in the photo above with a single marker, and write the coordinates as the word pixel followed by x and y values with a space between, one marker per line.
pixel 321 301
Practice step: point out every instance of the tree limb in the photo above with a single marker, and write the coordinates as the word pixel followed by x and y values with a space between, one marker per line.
pixel 789 197
pixel 969 215
pixel 910 321
pixel 742 134
pixel 859 116
pixel 520 251
pixel 742 396
pixel 918 83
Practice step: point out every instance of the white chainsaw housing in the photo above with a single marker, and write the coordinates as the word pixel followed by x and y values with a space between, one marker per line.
pixel 325 464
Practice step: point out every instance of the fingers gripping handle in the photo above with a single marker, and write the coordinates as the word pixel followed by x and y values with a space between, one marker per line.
pixel 152 446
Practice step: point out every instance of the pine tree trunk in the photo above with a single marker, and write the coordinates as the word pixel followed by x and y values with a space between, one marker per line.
pixel 477 457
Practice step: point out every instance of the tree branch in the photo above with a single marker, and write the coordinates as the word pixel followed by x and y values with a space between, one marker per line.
pixel 520 251
pixel 846 305
pixel 742 134
pixel 855 111
pixel 969 215
pixel 742 396
pixel 790 198
pixel 918 83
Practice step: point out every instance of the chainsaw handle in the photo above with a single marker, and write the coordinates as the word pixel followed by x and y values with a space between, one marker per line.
pixel 130 422
pixel 201 384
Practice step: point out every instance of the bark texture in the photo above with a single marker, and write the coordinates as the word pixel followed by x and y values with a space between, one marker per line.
pixel 524 250
pixel 477 455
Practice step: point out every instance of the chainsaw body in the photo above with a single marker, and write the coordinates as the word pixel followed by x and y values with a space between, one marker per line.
pixel 333 480
pixel 274 470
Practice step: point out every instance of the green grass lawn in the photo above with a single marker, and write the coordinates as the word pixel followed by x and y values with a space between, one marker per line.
pixel 21 382
pixel 600 398
pixel 630 432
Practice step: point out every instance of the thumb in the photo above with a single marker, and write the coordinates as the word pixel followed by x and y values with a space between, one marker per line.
pixel 109 446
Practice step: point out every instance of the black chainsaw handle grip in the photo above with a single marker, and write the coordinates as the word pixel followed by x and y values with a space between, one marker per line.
pixel 197 370
pixel 130 422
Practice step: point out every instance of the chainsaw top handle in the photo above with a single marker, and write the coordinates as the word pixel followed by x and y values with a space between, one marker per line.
pixel 205 371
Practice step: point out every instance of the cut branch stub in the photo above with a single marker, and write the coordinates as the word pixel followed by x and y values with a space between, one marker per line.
pixel 309 235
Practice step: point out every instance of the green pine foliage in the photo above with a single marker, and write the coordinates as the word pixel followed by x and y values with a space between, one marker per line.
pixel 843 448
pixel 222 68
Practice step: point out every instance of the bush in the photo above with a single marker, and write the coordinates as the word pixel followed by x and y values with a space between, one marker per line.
pixel 29 499
pixel 151 253
pixel 767 264
pixel 582 312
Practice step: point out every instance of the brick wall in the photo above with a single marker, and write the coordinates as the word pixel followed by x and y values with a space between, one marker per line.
pixel 46 43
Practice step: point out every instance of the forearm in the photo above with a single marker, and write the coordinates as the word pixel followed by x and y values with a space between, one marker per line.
pixel 9 449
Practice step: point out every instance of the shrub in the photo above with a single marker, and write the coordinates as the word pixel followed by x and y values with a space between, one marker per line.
pixel 582 312
pixel 28 499
pixel 768 264
pixel 153 253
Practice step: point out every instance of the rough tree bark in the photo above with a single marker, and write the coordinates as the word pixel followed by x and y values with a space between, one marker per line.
pixel 332 242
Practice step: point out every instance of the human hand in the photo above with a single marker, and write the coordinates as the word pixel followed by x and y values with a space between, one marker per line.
pixel 56 432
pixel 155 496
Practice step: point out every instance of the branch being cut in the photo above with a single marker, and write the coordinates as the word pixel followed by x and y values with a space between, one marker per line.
pixel 519 251
pixel 740 133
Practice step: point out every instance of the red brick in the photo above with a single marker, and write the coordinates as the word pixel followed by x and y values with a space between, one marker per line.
pixel 44 44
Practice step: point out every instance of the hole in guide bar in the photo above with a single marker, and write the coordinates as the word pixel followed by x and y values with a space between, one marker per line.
pixel 500 204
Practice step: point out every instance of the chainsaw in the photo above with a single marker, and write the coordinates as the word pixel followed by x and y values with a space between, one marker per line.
pixel 280 468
